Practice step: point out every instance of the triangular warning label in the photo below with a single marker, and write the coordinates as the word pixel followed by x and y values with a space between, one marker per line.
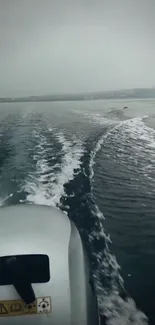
pixel 3 310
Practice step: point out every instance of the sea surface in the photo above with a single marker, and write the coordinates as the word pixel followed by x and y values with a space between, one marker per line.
pixel 96 161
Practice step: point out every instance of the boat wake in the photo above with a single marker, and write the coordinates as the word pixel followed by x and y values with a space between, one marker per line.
pixel 45 186
pixel 116 306
pixel 62 175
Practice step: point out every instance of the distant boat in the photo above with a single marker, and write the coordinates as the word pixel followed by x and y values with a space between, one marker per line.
pixel 125 107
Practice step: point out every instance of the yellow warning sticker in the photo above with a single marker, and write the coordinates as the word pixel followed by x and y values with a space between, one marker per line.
pixel 41 305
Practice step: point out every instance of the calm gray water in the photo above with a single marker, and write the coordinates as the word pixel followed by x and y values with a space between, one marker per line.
pixel 96 161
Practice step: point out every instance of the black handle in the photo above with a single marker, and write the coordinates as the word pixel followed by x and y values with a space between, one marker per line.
pixel 20 279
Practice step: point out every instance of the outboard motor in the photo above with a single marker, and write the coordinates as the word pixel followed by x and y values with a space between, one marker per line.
pixel 44 270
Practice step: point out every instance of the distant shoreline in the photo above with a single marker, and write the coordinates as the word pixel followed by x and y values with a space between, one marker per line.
pixel 141 93
pixel 71 100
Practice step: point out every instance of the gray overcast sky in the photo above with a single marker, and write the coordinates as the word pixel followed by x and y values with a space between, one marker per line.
pixel 51 46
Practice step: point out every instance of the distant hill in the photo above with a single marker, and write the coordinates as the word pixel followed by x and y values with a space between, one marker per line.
pixel 138 93
pixel 131 93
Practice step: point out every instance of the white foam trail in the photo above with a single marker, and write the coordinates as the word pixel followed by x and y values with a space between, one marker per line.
pixel 140 138
pixel 121 312
pixel 116 310
pixel 2 200
pixel 50 194
pixel 98 147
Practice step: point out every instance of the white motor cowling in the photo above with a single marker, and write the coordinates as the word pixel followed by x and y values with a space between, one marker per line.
pixel 44 270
